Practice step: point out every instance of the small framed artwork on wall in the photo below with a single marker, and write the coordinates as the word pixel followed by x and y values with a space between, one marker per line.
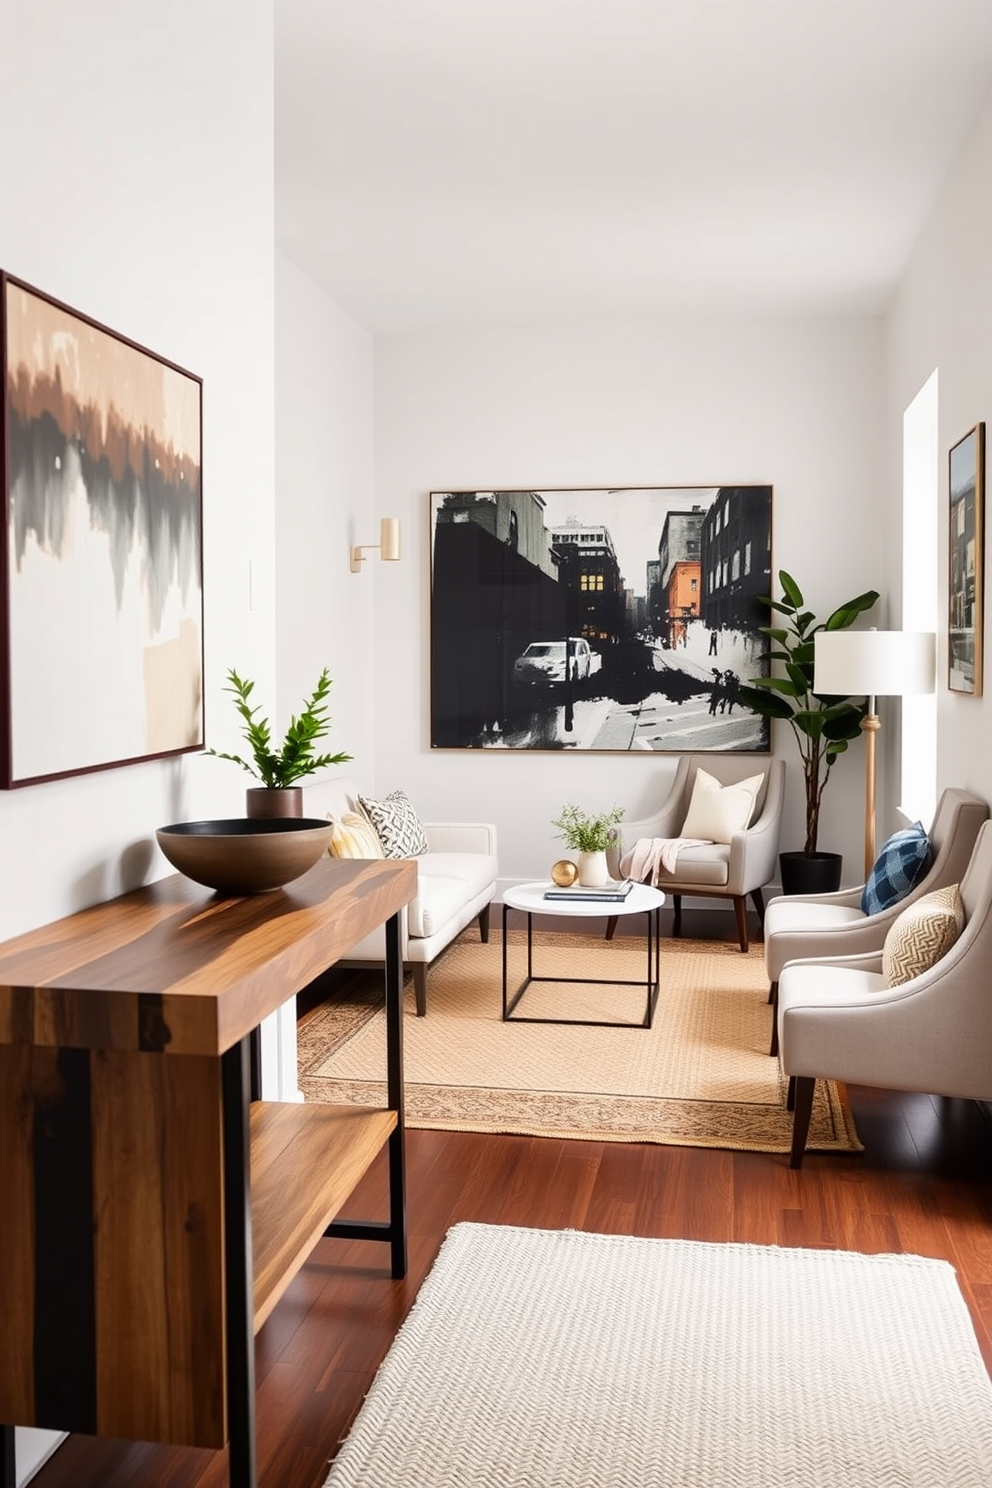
pixel 966 543
pixel 101 619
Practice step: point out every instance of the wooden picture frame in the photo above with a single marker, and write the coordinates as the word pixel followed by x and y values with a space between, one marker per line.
pixel 966 577
pixel 101 618
pixel 605 620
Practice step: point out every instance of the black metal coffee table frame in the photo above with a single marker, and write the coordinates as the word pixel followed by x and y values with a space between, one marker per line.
pixel 651 983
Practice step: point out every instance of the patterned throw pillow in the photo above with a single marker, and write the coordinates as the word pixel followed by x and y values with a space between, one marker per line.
pixel 353 836
pixel 717 811
pixel 400 829
pixel 920 935
pixel 903 861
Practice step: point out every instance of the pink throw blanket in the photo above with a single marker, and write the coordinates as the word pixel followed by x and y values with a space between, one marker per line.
pixel 649 855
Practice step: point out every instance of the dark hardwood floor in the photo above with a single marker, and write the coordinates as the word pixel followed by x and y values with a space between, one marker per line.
pixel 923 1185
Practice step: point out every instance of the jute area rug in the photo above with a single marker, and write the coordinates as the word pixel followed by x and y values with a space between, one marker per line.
pixel 559 1359
pixel 700 1077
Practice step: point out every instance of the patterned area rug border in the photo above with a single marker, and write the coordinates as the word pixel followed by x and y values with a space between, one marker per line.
pixel 600 1116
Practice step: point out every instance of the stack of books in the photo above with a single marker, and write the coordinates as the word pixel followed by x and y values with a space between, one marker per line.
pixel 614 892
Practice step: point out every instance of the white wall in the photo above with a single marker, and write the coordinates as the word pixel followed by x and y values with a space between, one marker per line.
pixel 799 404
pixel 324 457
pixel 942 317
pixel 137 186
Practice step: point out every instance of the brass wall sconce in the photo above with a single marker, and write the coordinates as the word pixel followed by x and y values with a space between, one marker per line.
pixel 388 545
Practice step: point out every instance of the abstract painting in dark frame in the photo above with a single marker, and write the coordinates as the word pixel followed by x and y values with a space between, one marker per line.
pixel 101 653
pixel 599 619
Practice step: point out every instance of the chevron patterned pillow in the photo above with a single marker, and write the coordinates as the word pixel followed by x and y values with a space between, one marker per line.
pixel 399 828
pixel 921 934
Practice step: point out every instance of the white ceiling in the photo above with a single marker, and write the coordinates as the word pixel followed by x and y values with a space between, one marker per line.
pixel 515 162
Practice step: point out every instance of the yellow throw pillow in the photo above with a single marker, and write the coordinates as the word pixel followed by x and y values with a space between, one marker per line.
pixel 717 811
pixel 921 934
pixel 354 836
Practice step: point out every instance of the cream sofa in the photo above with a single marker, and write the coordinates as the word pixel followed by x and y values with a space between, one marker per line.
pixel 456 884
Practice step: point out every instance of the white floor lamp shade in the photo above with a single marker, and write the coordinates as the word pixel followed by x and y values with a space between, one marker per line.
pixel 872 664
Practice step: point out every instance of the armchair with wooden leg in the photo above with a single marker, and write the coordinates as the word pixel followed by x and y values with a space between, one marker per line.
pixel 875 1019
pixel 825 926
pixel 740 864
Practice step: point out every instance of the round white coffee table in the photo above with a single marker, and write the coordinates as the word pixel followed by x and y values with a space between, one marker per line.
pixel 529 899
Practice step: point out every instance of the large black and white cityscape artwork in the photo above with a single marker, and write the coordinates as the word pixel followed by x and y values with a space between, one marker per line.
pixel 599 619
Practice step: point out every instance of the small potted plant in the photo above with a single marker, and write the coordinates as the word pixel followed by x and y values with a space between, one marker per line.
pixel 823 726
pixel 280 769
pixel 589 837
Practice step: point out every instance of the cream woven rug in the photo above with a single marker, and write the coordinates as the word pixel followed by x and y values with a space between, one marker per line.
pixel 700 1077
pixel 558 1359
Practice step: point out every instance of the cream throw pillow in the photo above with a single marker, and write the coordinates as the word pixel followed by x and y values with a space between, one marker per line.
pixel 717 811
pixel 353 836
pixel 921 934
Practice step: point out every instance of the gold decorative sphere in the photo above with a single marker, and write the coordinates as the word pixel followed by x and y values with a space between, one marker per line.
pixel 564 873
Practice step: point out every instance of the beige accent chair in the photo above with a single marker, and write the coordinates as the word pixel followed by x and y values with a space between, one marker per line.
pixel 840 1021
pixel 715 870
pixel 822 926
pixel 456 881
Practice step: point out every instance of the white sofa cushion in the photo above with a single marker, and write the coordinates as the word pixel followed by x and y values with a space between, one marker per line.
pixel 445 882
pixel 787 914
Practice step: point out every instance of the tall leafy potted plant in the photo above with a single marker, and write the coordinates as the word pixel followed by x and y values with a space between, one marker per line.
pixel 279 768
pixel 823 726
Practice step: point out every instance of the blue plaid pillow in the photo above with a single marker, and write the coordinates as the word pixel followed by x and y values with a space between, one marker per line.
pixel 900 865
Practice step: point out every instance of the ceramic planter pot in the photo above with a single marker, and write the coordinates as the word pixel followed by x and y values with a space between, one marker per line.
pixel 263 802
pixel 593 869
pixel 817 874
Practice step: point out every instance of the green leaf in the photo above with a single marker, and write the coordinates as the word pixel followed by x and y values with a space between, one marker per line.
pixel 841 723
pixel 810 720
pixel 798 678
pixel 763 703
pixel 846 614
pixel 791 590
pixel 784 685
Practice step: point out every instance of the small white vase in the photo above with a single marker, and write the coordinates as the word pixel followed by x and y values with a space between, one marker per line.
pixel 593 870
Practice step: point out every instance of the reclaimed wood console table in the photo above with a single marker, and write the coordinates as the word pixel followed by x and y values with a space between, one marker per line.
pixel 154 1210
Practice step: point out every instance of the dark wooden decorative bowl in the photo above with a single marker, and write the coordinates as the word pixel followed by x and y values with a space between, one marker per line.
pixel 243 855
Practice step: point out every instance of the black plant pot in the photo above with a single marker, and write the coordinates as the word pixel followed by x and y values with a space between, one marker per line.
pixel 817 874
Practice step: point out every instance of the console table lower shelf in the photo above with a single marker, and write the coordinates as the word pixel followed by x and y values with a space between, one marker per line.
pixel 157 1209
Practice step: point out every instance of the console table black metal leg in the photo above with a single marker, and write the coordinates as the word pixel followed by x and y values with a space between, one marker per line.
pixel 393 1229
pixel 394 1096
pixel 236 1075
pixel 8 1466
pixel 255 1064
